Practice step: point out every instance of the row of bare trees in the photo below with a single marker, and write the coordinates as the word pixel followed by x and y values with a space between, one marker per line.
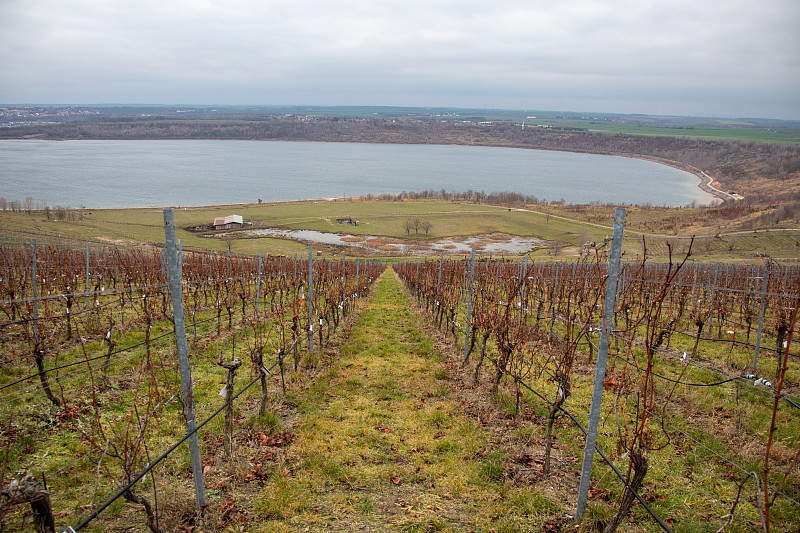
pixel 417 225
pixel 29 206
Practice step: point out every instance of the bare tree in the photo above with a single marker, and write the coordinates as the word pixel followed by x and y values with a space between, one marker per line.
pixel 426 227
pixel 3 203
pixel 416 223
pixel 408 225
pixel 228 240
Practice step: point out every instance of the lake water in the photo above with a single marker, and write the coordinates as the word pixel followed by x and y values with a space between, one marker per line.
pixel 201 172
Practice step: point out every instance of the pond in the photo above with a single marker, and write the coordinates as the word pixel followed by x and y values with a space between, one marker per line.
pixel 495 244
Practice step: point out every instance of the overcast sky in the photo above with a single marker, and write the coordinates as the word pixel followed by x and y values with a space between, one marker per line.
pixel 725 58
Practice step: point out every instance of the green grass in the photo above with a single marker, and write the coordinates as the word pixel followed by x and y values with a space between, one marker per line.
pixel 734 133
pixel 376 218
pixel 47 441
pixel 569 225
pixel 742 130
pixel 375 448
pixel 690 474
pixel 385 410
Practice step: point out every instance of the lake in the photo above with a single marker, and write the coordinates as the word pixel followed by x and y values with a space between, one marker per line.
pixel 202 172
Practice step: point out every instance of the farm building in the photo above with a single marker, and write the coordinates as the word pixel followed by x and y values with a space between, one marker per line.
pixel 229 222
pixel 347 220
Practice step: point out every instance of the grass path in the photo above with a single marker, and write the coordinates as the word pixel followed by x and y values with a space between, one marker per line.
pixel 383 443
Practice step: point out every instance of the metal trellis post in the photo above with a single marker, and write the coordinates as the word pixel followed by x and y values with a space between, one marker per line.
pixel 602 355
pixel 310 300
pixel 713 297
pixel 176 295
pixel 35 303
pixel 87 275
pixel 467 331
pixel 761 318
pixel 522 291
pixel 258 283
pixel 344 282
pixel 3 245
pixel 439 281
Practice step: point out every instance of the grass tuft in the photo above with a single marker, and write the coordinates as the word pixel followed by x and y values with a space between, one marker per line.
pixel 282 498
pixel 595 518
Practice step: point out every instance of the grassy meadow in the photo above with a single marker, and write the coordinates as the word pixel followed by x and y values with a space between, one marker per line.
pixel 564 228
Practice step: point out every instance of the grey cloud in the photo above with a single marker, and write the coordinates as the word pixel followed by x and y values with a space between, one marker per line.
pixel 632 54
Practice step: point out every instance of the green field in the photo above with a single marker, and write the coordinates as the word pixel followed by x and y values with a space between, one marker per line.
pixel 730 130
pixel 739 134
pixel 744 129
pixel 375 218
pixel 565 228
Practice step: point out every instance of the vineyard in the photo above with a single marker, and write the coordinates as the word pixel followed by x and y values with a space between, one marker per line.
pixel 89 388
pixel 700 391
pixel 701 388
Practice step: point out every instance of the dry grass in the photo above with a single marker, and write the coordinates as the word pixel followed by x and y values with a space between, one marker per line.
pixel 385 440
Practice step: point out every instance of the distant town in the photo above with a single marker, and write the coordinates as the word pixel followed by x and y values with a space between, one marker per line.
pixel 26 115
